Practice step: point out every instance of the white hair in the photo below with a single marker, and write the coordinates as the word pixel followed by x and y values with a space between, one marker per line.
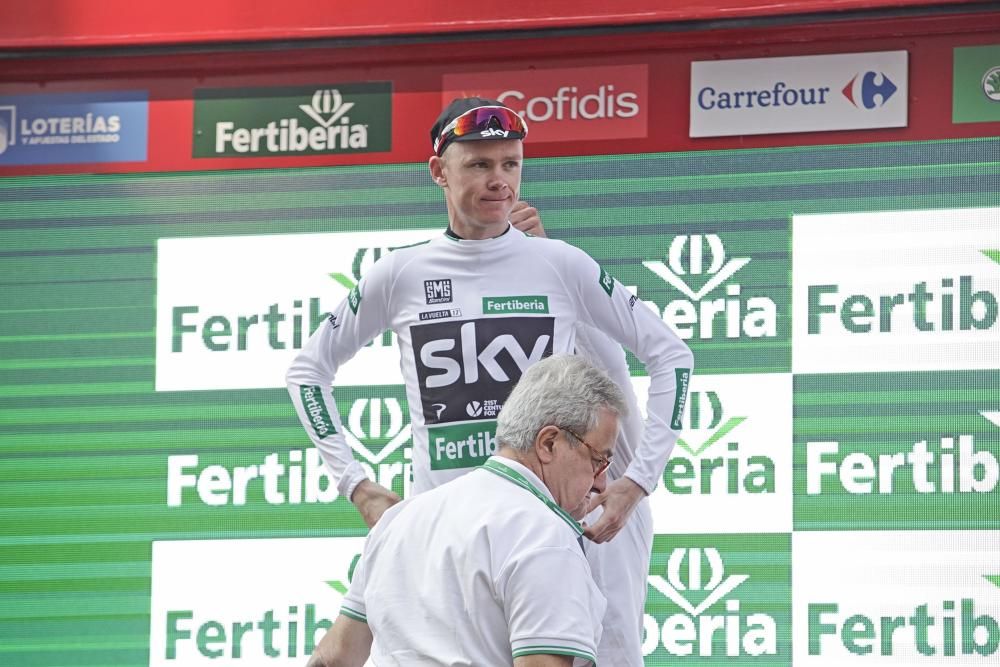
pixel 562 390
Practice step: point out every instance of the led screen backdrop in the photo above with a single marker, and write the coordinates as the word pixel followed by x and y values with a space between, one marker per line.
pixel 832 501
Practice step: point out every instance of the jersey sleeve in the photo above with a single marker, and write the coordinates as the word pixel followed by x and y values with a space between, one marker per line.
pixel 551 603
pixel 353 324
pixel 609 356
pixel 606 305
pixel 353 604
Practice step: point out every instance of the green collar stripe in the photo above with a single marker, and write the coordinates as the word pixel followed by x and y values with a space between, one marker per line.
pixel 514 476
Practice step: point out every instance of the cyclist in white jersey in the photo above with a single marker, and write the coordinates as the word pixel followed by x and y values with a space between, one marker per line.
pixel 472 309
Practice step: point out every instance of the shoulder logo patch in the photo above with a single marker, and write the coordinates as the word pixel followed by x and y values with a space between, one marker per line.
pixel 607 282
pixel 354 299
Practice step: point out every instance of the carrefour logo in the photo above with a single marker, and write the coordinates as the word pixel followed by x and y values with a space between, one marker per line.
pixel 869 90
pixel 697 266
pixel 700 607
pixel 798 94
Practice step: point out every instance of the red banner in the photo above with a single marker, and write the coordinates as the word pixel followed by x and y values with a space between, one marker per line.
pixel 582 95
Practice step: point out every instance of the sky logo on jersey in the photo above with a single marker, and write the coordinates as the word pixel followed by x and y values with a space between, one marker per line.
pixel 899 466
pixel 65 128
pixel 233 311
pixel 933 303
pixel 798 94
pixel 298 120
pixel 976 84
pixel 719 597
pixel 728 471
pixel 896 598
pixel 475 360
pixel 211 605
pixel 869 90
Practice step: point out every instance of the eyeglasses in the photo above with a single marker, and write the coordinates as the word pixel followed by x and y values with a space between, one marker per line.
pixel 602 462
pixel 487 121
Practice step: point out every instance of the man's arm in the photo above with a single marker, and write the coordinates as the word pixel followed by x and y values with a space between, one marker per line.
pixel 346 644
pixel 622 495
pixel 353 324
pixel 552 605
pixel 607 306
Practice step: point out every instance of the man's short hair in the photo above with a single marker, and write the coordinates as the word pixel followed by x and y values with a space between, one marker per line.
pixel 462 105
pixel 562 390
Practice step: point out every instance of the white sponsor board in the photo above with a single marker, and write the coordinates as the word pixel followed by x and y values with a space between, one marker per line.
pixel 895 598
pixel 731 469
pixel 232 311
pixel 896 291
pixel 798 94
pixel 245 602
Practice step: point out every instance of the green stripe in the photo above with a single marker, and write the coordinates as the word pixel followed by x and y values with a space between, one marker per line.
pixel 497 467
pixel 553 650
pixel 350 613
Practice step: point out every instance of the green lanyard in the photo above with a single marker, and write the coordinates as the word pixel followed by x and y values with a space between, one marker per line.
pixel 508 473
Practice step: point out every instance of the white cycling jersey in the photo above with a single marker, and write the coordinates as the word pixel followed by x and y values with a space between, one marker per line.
pixel 470 317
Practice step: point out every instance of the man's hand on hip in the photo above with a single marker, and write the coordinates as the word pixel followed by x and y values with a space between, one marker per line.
pixel 372 500
pixel 619 501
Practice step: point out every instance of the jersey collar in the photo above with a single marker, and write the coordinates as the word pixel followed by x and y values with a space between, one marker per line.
pixel 518 474
pixel 451 235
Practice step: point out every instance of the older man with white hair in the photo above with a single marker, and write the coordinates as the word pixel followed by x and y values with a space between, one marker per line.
pixel 488 569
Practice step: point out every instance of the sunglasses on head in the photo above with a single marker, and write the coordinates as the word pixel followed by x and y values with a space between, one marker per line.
pixel 489 122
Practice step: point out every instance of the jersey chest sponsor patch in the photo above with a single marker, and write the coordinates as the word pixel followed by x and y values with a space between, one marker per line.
pixel 467 368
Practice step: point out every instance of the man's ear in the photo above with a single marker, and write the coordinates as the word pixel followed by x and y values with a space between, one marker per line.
pixel 436 165
pixel 545 443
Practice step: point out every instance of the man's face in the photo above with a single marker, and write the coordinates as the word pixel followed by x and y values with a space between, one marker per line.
pixel 570 476
pixel 481 180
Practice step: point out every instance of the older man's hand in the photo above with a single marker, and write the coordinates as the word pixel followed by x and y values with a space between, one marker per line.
pixel 619 501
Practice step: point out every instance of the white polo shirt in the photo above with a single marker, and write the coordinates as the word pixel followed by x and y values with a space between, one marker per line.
pixel 478 571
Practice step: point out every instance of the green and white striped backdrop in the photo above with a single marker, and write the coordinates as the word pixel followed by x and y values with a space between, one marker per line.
pixel 833 501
